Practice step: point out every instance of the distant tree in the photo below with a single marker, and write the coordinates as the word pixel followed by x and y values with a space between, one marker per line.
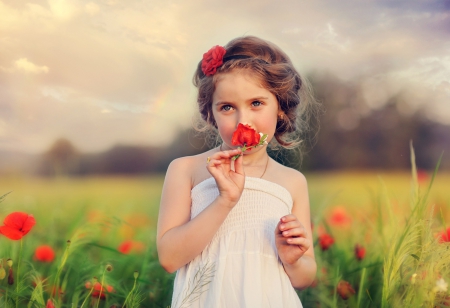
pixel 62 158
pixel 356 136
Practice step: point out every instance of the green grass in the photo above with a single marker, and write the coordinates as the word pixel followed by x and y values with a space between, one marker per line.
pixel 98 213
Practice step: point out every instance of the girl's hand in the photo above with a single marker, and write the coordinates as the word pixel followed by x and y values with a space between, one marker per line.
pixel 291 239
pixel 230 182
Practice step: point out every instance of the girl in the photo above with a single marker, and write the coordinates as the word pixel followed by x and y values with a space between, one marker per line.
pixel 238 230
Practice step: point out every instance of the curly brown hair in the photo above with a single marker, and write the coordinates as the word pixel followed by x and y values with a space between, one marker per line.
pixel 275 71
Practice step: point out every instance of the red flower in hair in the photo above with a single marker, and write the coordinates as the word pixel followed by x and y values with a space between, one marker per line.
pixel 17 225
pixel 325 241
pixel 212 60
pixel 99 289
pixel 246 136
pixel 360 252
pixel 44 253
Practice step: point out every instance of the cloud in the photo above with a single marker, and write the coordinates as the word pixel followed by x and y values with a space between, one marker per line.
pixel 24 65
pixel 113 71
pixel 63 9
pixel 91 8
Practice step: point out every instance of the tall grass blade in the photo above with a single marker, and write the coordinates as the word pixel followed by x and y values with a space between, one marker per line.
pixel 361 287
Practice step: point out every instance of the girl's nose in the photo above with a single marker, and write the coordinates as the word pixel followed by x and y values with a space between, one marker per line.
pixel 244 119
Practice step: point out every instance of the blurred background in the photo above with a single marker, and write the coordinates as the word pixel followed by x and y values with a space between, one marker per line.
pixel 104 87
pixel 96 99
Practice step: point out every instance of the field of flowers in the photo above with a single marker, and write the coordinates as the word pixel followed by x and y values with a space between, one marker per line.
pixel 381 240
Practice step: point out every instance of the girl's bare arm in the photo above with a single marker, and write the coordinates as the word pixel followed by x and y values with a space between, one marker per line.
pixel 179 239
pixel 295 248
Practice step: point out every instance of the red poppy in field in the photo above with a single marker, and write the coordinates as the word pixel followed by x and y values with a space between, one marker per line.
pixel 339 217
pixel 99 289
pixel 44 253
pixel 360 252
pixel 16 225
pixel 422 176
pixel 444 236
pixel 129 246
pixel 50 304
pixel 325 241
pixel 345 290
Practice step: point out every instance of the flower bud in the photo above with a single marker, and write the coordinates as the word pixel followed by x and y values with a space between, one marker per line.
pixel 10 277
pixel 413 278
pixel 109 267
pixel 136 274
pixel 9 262
pixel 2 273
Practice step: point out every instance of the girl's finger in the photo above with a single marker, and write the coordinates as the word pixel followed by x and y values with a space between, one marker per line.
pixel 290 225
pixel 288 218
pixel 297 232
pixel 299 241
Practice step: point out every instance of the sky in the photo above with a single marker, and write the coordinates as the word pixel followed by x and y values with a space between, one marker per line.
pixel 108 72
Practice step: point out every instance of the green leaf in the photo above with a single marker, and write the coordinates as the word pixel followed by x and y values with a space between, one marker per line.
pixel 415 257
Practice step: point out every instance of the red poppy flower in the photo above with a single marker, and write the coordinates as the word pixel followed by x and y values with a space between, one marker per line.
pixel 339 217
pixel 44 253
pixel 17 225
pixel 360 252
pixel 98 288
pixel 422 176
pixel 128 246
pixel 444 236
pixel 325 241
pixel 212 60
pixel 125 247
pixel 345 290
pixel 50 304
pixel 246 136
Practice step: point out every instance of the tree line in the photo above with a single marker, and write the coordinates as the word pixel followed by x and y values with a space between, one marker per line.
pixel 351 136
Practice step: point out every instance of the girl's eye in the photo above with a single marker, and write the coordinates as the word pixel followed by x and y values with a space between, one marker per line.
pixel 256 103
pixel 226 108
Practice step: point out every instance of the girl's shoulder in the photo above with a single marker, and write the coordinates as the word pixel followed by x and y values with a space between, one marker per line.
pixel 192 167
pixel 291 179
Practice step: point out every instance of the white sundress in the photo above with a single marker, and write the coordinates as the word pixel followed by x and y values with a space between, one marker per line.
pixel 240 266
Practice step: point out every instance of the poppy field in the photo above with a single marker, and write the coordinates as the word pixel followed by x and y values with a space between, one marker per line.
pixel 381 240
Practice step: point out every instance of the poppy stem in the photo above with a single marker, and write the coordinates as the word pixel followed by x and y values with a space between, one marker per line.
pixel 18 273
pixel 58 272
pixel 101 288
pixel 126 299
pixel 87 296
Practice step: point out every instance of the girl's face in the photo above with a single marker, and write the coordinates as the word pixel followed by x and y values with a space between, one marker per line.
pixel 240 98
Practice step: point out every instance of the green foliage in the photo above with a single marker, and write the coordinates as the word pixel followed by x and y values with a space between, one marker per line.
pixel 392 218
